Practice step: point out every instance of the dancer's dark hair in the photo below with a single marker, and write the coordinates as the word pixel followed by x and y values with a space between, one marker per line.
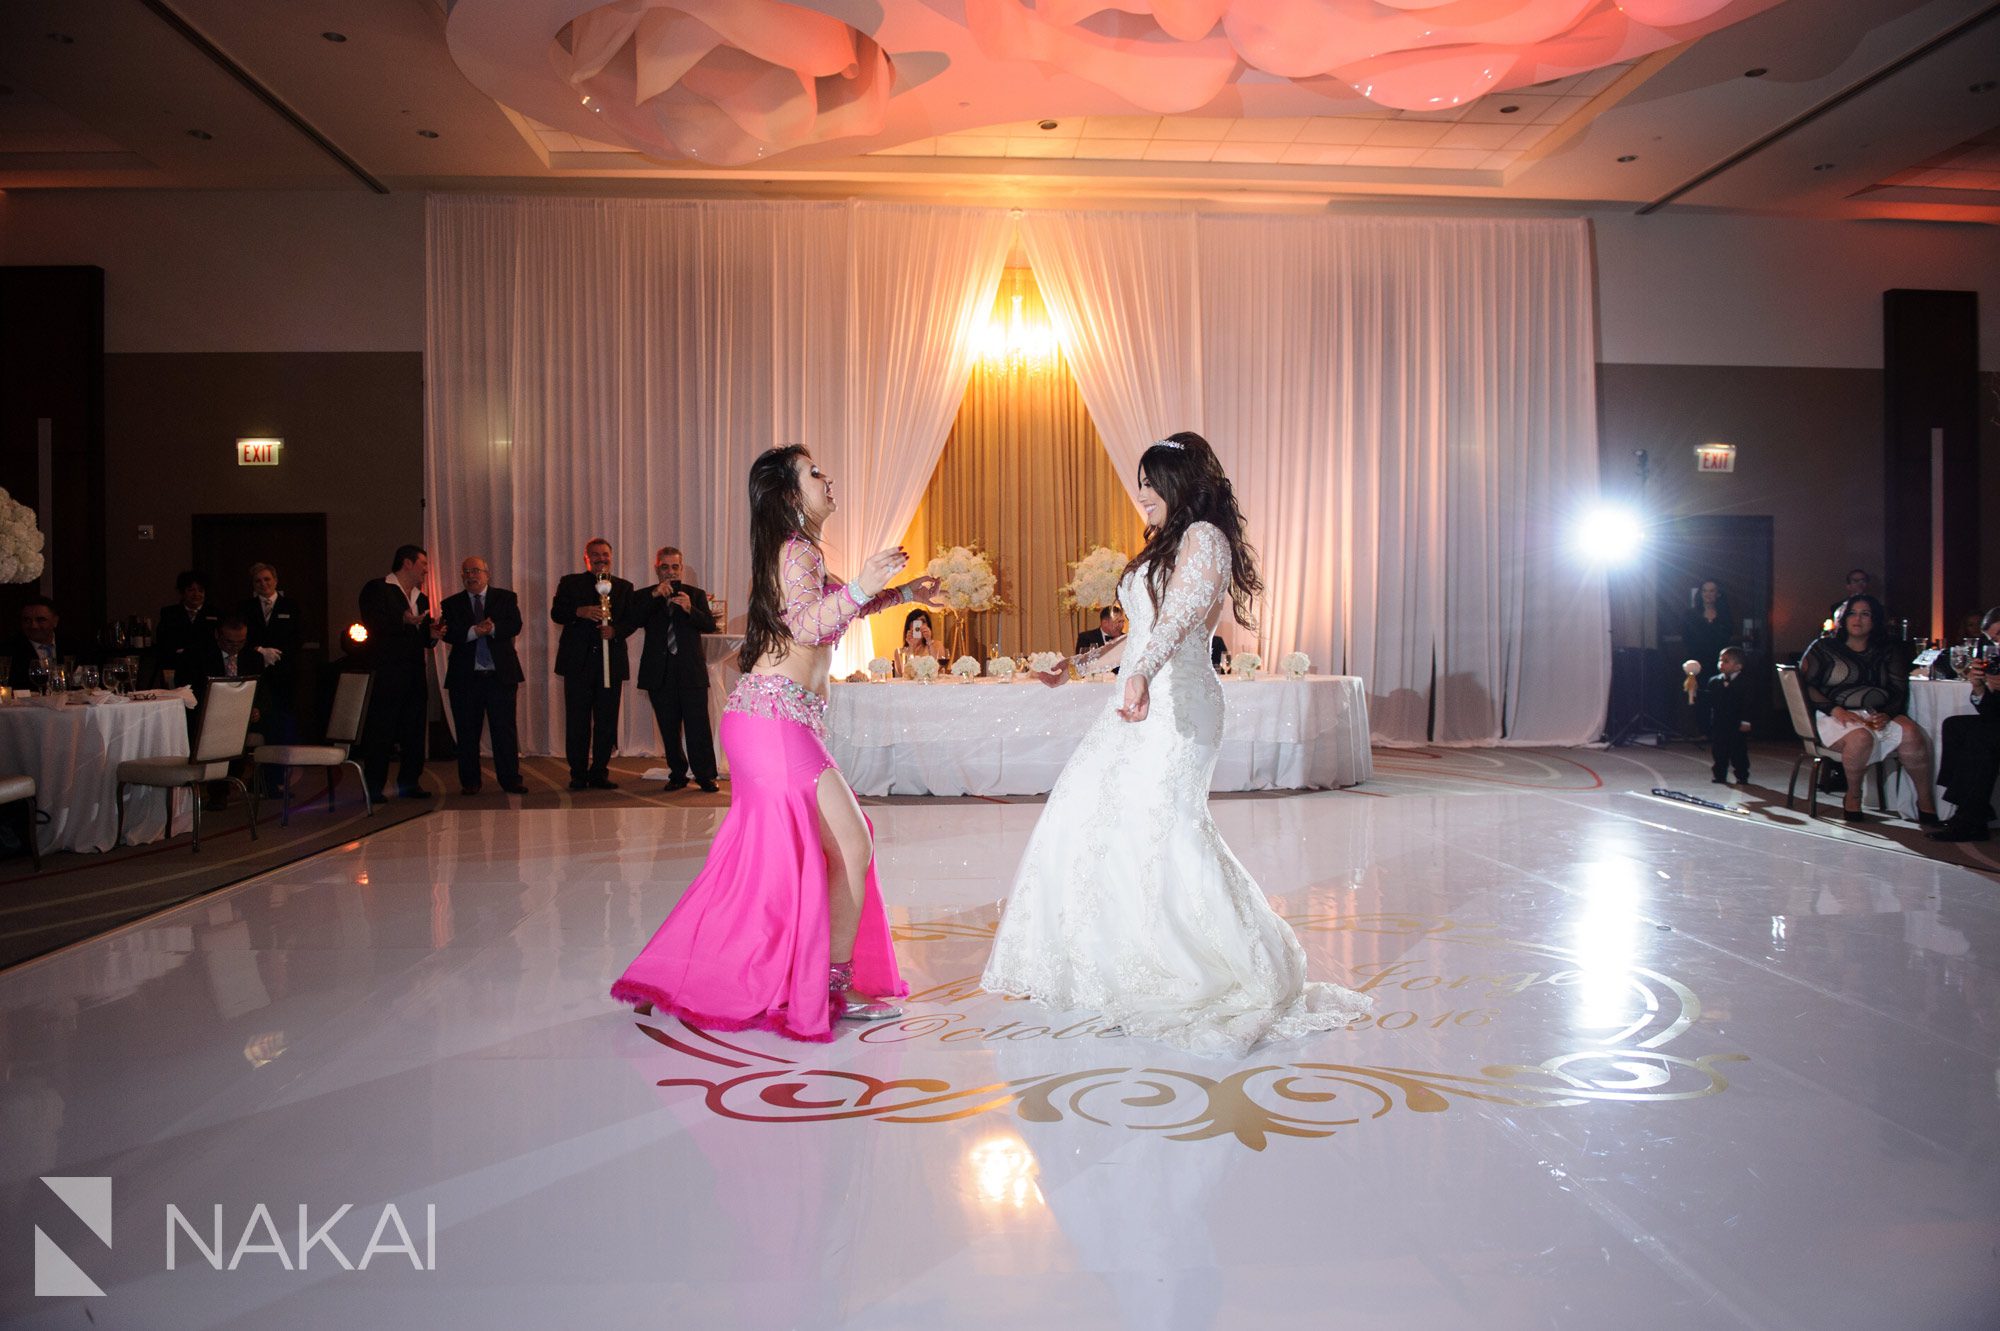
pixel 1185 473
pixel 776 515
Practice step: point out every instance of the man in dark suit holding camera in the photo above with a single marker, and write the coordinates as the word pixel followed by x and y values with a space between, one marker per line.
pixel 590 636
pixel 484 675
pixel 674 672
pixel 396 613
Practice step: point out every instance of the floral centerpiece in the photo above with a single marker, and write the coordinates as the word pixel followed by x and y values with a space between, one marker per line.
pixel 1093 579
pixel 1295 664
pixel 923 668
pixel 881 667
pixel 20 542
pixel 966 585
pixel 1001 667
pixel 1043 662
pixel 965 667
pixel 1245 663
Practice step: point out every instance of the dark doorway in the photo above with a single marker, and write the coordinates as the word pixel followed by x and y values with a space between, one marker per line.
pixel 1735 551
pixel 225 545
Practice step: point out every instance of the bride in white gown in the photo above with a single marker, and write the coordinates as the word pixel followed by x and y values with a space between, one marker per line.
pixel 1127 901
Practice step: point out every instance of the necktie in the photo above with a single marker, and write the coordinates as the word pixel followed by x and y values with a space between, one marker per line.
pixel 482 650
pixel 229 665
pixel 673 638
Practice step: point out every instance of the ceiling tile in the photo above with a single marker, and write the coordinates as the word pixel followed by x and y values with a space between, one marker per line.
pixel 1369 155
pixel 1110 150
pixel 1406 134
pixel 1336 129
pixel 1120 127
pixel 1529 135
pixel 1564 108
pixel 967 145
pixel 1476 136
pixel 1453 159
pixel 1247 152
pixel 920 148
pixel 1317 154
pixel 1270 130
pixel 1196 128
pixel 1488 109
pixel 1046 145
pixel 1171 150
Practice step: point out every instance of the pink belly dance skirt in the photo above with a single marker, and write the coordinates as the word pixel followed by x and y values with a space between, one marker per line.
pixel 746 948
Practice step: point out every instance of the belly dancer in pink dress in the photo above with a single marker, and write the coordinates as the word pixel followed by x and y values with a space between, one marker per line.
pixel 783 929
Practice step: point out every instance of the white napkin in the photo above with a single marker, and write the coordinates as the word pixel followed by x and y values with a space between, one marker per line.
pixel 184 694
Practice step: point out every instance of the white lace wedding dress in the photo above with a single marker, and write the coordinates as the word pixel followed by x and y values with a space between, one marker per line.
pixel 1127 901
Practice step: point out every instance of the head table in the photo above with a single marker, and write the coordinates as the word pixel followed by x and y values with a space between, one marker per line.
pixel 994 737
pixel 73 753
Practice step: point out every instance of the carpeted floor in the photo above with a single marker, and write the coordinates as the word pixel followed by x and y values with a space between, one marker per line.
pixel 78 896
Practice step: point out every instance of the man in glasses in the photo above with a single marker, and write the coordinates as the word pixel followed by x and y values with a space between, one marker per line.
pixel 674 672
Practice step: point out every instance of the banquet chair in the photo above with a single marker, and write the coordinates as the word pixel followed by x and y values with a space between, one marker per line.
pixel 225 728
pixel 343 731
pixel 1815 752
pixel 21 790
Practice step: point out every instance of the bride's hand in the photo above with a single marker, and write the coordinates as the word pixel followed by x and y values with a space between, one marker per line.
pixel 877 569
pixel 1137 701
pixel 925 590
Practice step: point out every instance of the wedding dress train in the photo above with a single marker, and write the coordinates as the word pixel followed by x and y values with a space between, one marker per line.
pixel 1127 900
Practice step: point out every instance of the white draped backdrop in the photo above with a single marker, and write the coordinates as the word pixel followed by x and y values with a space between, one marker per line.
pixel 1407 410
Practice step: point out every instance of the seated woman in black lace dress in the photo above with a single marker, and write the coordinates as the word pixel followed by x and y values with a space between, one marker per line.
pixel 1859 689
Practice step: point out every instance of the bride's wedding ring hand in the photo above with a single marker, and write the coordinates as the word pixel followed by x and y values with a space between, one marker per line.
pixel 1137 702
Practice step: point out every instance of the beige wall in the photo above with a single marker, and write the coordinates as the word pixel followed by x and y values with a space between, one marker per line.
pixel 352 423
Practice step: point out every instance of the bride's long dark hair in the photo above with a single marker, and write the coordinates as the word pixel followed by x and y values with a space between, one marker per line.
pixel 1188 477
pixel 776 515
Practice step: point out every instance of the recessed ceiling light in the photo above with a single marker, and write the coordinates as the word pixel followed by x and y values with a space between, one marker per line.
pixel 1984 85
pixel 62 39
pixel 1046 124
pixel 335 37
pixel 201 134
pixel 1508 110
pixel 1824 166
pixel 427 133
pixel 1756 73
pixel 1629 157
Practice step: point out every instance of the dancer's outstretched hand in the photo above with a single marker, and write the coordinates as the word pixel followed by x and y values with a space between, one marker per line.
pixel 1137 700
pixel 926 590
pixel 1054 678
pixel 877 569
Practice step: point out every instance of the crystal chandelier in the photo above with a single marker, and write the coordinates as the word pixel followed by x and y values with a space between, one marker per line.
pixel 1016 343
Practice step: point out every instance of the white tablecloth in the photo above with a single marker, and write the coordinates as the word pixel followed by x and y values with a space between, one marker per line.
pixel 73 753
pixel 1931 702
pixel 994 738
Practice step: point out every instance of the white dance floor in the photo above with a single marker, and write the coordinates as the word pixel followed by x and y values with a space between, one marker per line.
pixel 1634 1064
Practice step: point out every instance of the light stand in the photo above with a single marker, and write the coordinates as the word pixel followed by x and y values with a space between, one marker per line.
pixel 1642 723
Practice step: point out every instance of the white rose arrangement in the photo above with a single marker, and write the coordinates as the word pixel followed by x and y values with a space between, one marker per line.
pixel 1296 664
pixel 1245 663
pixel 1043 662
pixel 923 667
pixel 965 667
pixel 1093 579
pixel 881 667
pixel 20 542
pixel 1001 667
pixel 966 580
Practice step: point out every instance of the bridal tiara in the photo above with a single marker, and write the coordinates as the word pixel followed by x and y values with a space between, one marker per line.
pixel 1168 443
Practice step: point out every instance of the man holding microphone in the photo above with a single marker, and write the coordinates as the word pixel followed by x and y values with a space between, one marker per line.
pixel 1971 747
pixel 591 658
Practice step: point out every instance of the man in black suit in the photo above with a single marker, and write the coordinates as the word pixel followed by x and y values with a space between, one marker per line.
pixel 275 634
pixel 483 675
pixel 1969 760
pixel 1110 628
pixel 186 628
pixel 396 613
pixel 38 639
pixel 674 672
pixel 229 656
pixel 589 638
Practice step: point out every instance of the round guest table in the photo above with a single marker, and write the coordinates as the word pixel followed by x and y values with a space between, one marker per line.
pixel 73 753
pixel 1932 701
pixel 994 737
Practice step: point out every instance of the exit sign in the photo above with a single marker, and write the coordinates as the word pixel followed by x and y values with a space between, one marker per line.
pixel 258 452
pixel 1715 457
